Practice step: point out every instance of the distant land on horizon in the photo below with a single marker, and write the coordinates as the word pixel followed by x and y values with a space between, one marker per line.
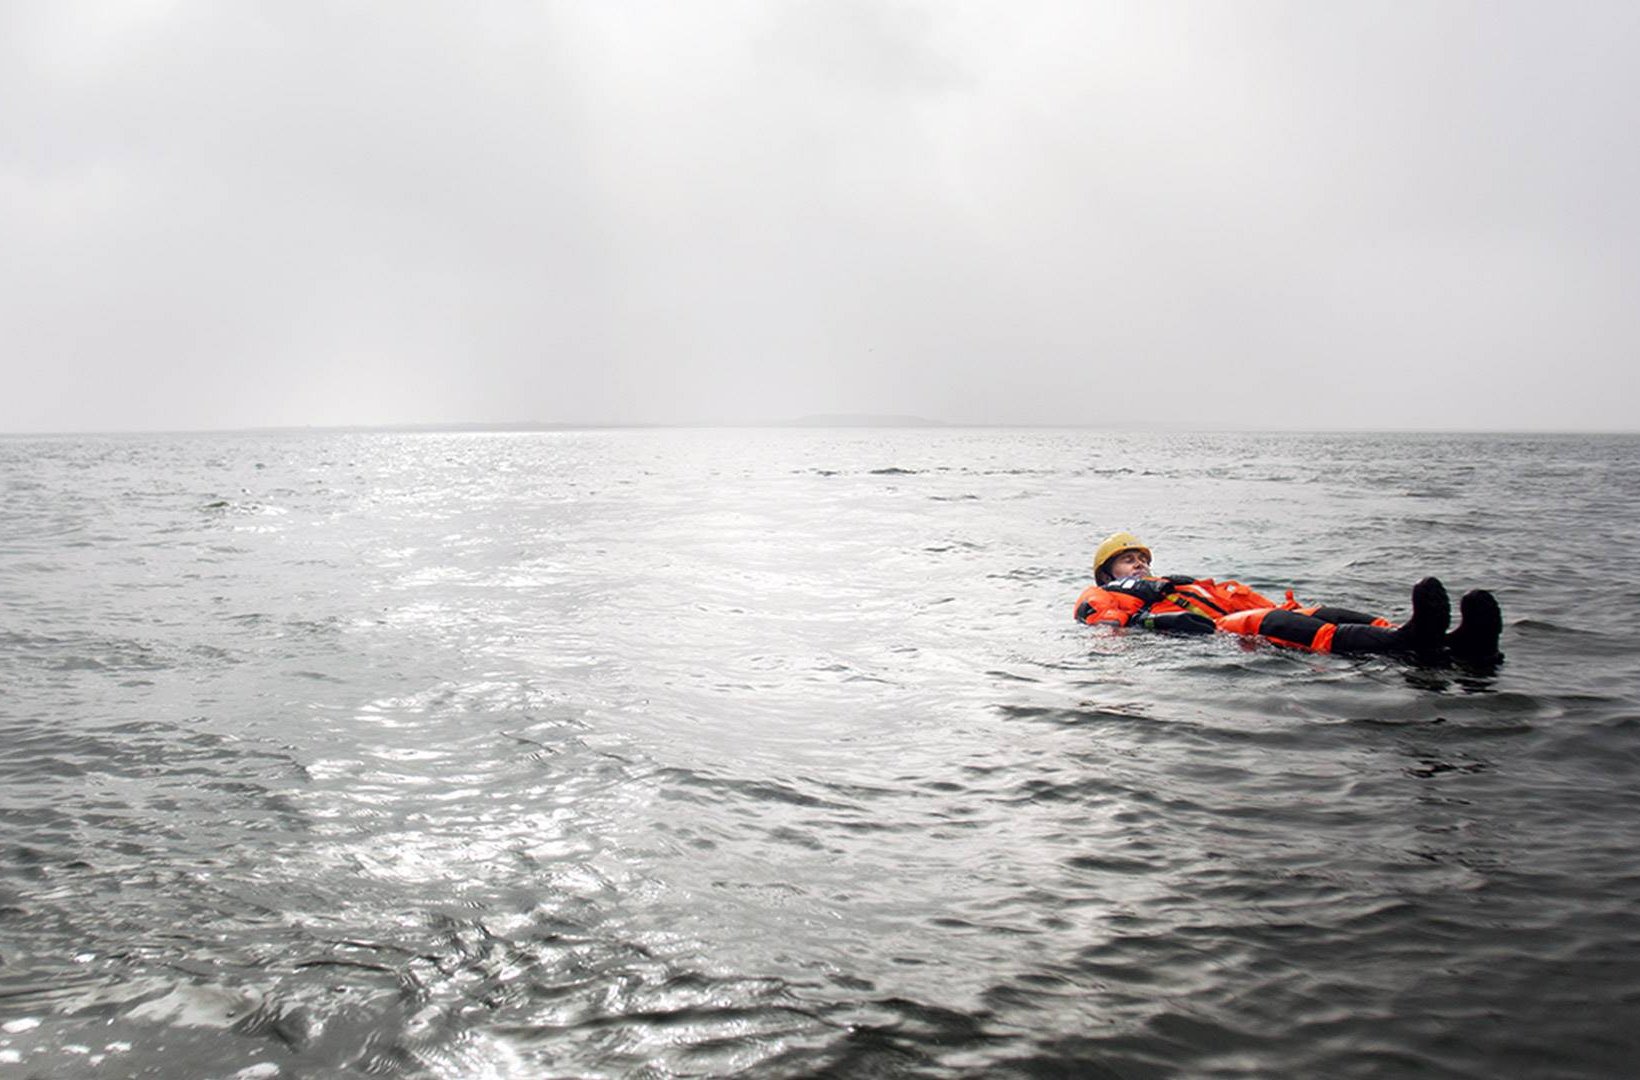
pixel 822 420
pixel 863 420
pixel 842 420
pixel 849 420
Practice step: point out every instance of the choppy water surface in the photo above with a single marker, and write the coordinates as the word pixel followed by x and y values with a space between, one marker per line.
pixel 688 753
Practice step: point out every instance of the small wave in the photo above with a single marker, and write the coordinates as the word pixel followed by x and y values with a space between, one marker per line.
pixel 1546 628
pixel 757 791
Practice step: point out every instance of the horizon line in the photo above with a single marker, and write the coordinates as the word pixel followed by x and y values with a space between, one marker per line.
pixel 818 421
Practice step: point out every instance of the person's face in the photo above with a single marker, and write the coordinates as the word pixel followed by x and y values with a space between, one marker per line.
pixel 1130 564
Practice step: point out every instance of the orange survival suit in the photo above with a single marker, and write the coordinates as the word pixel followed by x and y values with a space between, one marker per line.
pixel 1186 605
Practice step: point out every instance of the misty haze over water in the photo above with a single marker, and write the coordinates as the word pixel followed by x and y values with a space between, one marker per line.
pixel 577 575
pixel 1253 215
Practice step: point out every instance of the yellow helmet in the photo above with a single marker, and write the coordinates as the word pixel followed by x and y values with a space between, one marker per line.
pixel 1112 546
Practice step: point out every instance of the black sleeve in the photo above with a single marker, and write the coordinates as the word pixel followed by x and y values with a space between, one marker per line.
pixel 1179 622
pixel 1145 590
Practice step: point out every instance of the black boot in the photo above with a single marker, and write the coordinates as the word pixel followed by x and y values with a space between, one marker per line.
pixel 1431 611
pixel 1422 636
pixel 1475 641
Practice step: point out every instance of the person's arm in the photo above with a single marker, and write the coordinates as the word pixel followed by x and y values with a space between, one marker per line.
pixel 1177 622
pixel 1096 607
pixel 1146 590
pixel 1093 613
pixel 1153 590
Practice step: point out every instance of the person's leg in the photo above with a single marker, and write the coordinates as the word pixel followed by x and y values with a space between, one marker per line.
pixel 1292 628
pixel 1341 615
pixel 1480 623
pixel 1423 635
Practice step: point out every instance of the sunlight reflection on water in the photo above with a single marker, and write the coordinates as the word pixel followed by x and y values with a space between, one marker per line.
pixel 615 753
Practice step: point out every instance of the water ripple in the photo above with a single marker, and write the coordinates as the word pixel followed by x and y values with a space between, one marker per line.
pixel 778 754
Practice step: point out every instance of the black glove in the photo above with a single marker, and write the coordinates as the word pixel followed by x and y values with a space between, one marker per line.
pixel 1147 590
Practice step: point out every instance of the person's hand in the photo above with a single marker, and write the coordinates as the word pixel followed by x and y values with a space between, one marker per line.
pixel 1145 590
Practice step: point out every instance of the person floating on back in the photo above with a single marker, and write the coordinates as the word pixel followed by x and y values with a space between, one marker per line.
pixel 1126 593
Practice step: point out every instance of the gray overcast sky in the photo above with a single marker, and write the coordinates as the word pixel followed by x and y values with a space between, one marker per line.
pixel 218 213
